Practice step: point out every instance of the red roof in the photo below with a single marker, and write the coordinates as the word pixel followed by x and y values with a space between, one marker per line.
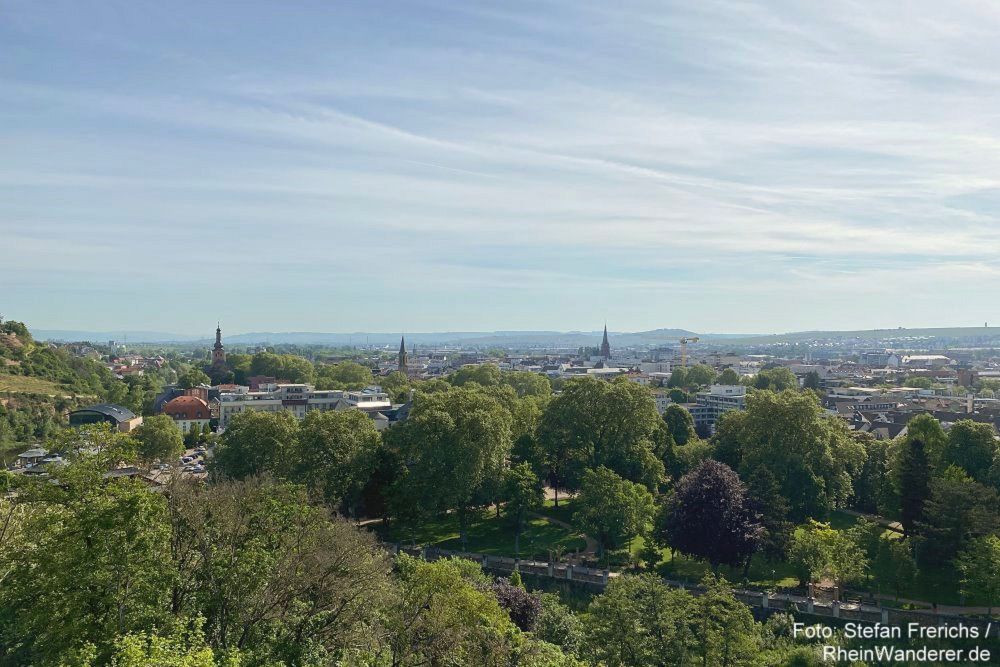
pixel 187 407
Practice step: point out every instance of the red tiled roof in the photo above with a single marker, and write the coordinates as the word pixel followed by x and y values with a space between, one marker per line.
pixel 187 407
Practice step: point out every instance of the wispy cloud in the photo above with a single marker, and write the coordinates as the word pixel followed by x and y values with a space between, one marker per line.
pixel 723 156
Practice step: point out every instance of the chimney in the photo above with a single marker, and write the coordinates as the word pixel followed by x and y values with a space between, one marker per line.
pixel 969 403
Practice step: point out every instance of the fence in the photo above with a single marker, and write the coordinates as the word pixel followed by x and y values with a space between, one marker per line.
pixel 763 600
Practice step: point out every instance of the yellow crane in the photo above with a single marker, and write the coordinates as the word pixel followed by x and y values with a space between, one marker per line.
pixel 684 349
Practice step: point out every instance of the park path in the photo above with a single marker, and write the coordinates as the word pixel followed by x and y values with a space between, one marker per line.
pixel 589 550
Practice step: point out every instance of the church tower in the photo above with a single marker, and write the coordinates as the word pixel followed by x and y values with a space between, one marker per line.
pixel 218 352
pixel 401 360
pixel 605 345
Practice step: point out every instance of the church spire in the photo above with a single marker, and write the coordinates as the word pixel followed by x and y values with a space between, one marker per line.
pixel 401 360
pixel 218 352
pixel 605 345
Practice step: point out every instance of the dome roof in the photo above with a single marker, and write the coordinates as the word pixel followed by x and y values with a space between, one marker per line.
pixel 187 407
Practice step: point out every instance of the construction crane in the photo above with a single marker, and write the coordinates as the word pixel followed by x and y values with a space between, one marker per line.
pixel 684 349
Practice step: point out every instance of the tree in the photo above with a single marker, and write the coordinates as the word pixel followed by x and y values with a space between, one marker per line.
pixel 972 446
pixel 958 510
pixel 820 552
pixel 919 382
pixel 522 607
pixel 486 375
pixel 639 621
pixel 185 646
pixel 397 385
pixel 709 517
pixel 765 499
pixel 159 439
pixel 726 633
pixel 255 442
pixel 700 375
pixel 894 565
pixel 526 383
pixel 811 381
pixel 678 378
pixel 272 575
pixel 345 375
pixel 812 456
pixel 595 423
pixel 288 367
pixel 445 617
pixel 194 377
pixel 872 486
pixel 680 423
pixel 776 379
pixel 523 494
pixel 728 376
pixel 914 484
pixel 335 455
pixel 455 445
pixel 612 510
pixel 90 566
pixel 557 624
pixel 979 569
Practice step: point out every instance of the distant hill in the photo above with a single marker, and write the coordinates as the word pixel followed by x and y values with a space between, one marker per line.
pixel 901 334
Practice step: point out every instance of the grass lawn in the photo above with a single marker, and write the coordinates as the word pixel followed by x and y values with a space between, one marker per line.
pixel 29 385
pixel 562 513
pixel 489 535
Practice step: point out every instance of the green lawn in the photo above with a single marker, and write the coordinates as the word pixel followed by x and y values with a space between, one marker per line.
pixel 489 535
pixel 562 513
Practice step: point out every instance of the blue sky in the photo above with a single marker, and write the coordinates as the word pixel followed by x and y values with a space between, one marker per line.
pixel 441 165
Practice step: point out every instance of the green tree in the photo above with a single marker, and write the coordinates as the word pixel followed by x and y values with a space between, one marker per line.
pixel 972 446
pixel 254 443
pixel 159 439
pixel 444 617
pixel 595 423
pixel 527 384
pixel 558 625
pixel 700 375
pixel 764 495
pixel 811 381
pixel 486 375
pixel 726 633
pixel 89 566
pixel 455 445
pixel 919 382
pixel 194 377
pixel 639 621
pixel 958 510
pixel 678 378
pixel 185 646
pixel 819 552
pixel 812 456
pixel 680 423
pixel 728 376
pixel 397 385
pixel 914 484
pixel 979 569
pixel 612 510
pixel 894 565
pixel 335 455
pixel 523 494
pixel 776 379
pixel 273 576
pixel 345 375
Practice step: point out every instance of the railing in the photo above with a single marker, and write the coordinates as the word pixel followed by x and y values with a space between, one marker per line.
pixel 771 602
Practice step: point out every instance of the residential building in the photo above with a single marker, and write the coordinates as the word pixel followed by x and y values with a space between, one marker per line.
pixel 188 412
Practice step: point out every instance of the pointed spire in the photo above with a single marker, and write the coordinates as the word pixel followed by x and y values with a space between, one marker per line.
pixel 605 345
pixel 402 359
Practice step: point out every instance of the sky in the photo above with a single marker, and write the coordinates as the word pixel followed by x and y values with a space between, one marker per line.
pixel 324 165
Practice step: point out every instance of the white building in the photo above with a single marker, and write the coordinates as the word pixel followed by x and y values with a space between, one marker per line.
pixel 300 399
